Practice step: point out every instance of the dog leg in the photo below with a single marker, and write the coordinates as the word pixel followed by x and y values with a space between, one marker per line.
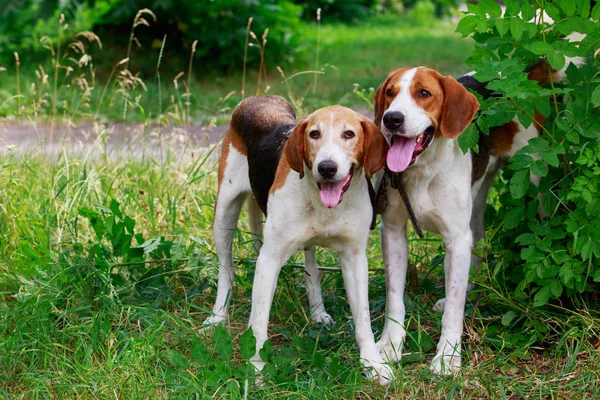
pixel 355 271
pixel 456 265
pixel 255 219
pixel 313 287
pixel 269 263
pixel 394 246
pixel 234 187
pixel 477 224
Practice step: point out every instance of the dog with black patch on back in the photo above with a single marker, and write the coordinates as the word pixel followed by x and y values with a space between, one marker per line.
pixel 421 113
pixel 310 178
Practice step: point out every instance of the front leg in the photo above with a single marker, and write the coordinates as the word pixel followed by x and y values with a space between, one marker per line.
pixel 394 246
pixel 355 271
pixel 270 260
pixel 313 287
pixel 456 266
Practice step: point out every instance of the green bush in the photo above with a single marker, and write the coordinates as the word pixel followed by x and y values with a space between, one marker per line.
pixel 218 26
pixel 559 255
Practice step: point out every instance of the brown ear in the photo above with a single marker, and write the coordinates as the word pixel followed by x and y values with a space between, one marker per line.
pixel 375 150
pixel 379 99
pixel 294 148
pixel 459 108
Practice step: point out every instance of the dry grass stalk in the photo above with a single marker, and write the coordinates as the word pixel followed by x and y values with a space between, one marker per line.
pixel 245 57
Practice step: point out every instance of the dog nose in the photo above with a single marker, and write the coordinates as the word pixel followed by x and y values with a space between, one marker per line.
pixel 327 169
pixel 393 120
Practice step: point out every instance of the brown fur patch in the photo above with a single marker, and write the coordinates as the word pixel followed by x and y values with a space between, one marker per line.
pixel 283 170
pixel 541 72
pixel 502 138
pixel 539 121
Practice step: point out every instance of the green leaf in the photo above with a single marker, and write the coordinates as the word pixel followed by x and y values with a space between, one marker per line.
pixel 516 28
pixel 519 184
pixel 513 217
pixel 539 168
pixel 556 288
pixel 596 12
pixel 177 360
pixel 556 60
pixel 549 155
pixel 491 7
pixel 568 6
pixel 597 273
pixel 586 250
pixel 508 317
pixel 199 352
pixel 247 344
pixel 542 296
pixel 468 139
pixel 552 11
pixel 222 343
pixel 526 239
pixel 114 207
pixel 502 26
pixel 467 25
pixel 539 48
pixel 596 94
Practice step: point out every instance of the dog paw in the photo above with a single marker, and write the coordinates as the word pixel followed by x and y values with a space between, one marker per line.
pixel 323 318
pixel 379 371
pixel 211 322
pixel 389 350
pixel 445 364
pixel 440 305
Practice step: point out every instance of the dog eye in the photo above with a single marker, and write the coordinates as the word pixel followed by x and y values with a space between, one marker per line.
pixel 424 93
pixel 389 92
pixel 314 134
pixel 348 135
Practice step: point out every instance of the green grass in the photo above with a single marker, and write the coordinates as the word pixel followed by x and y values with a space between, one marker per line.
pixel 87 311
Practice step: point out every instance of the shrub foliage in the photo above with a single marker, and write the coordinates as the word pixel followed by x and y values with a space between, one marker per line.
pixel 558 255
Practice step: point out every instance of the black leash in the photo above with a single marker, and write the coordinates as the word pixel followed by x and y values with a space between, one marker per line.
pixel 396 183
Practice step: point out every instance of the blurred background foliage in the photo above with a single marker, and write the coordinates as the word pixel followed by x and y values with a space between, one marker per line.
pixel 219 27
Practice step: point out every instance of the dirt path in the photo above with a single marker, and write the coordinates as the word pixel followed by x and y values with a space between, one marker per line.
pixel 133 140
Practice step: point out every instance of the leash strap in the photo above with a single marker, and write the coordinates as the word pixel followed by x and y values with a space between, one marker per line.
pixel 372 196
pixel 397 184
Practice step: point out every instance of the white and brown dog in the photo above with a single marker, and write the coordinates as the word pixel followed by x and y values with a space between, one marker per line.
pixel 310 177
pixel 421 114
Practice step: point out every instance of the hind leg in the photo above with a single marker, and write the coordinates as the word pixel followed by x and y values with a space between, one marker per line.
pixel 234 187
pixel 313 287
pixel 255 219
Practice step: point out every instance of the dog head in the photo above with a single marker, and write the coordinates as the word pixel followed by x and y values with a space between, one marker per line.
pixel 331 145
pixel 414 106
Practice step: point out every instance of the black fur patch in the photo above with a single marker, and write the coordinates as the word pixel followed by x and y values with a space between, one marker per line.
pixel 264 124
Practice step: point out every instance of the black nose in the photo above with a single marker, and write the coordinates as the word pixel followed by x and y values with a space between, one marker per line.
pixel 393 121
pixel 327 169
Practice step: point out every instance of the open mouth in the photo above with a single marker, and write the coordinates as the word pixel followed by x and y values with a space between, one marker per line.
pixel 331 193
pixel 404 151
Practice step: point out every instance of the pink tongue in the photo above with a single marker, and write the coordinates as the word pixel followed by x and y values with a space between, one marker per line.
pixel 331 193
pixel 400 154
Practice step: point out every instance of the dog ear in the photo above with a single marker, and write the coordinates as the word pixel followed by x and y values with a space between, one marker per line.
pixel 375 148
pixel 459 108
pixel 379 99
pixel 294 148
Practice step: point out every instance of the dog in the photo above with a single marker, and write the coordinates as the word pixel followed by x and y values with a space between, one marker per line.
pixel 421 113
pixel 311 180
